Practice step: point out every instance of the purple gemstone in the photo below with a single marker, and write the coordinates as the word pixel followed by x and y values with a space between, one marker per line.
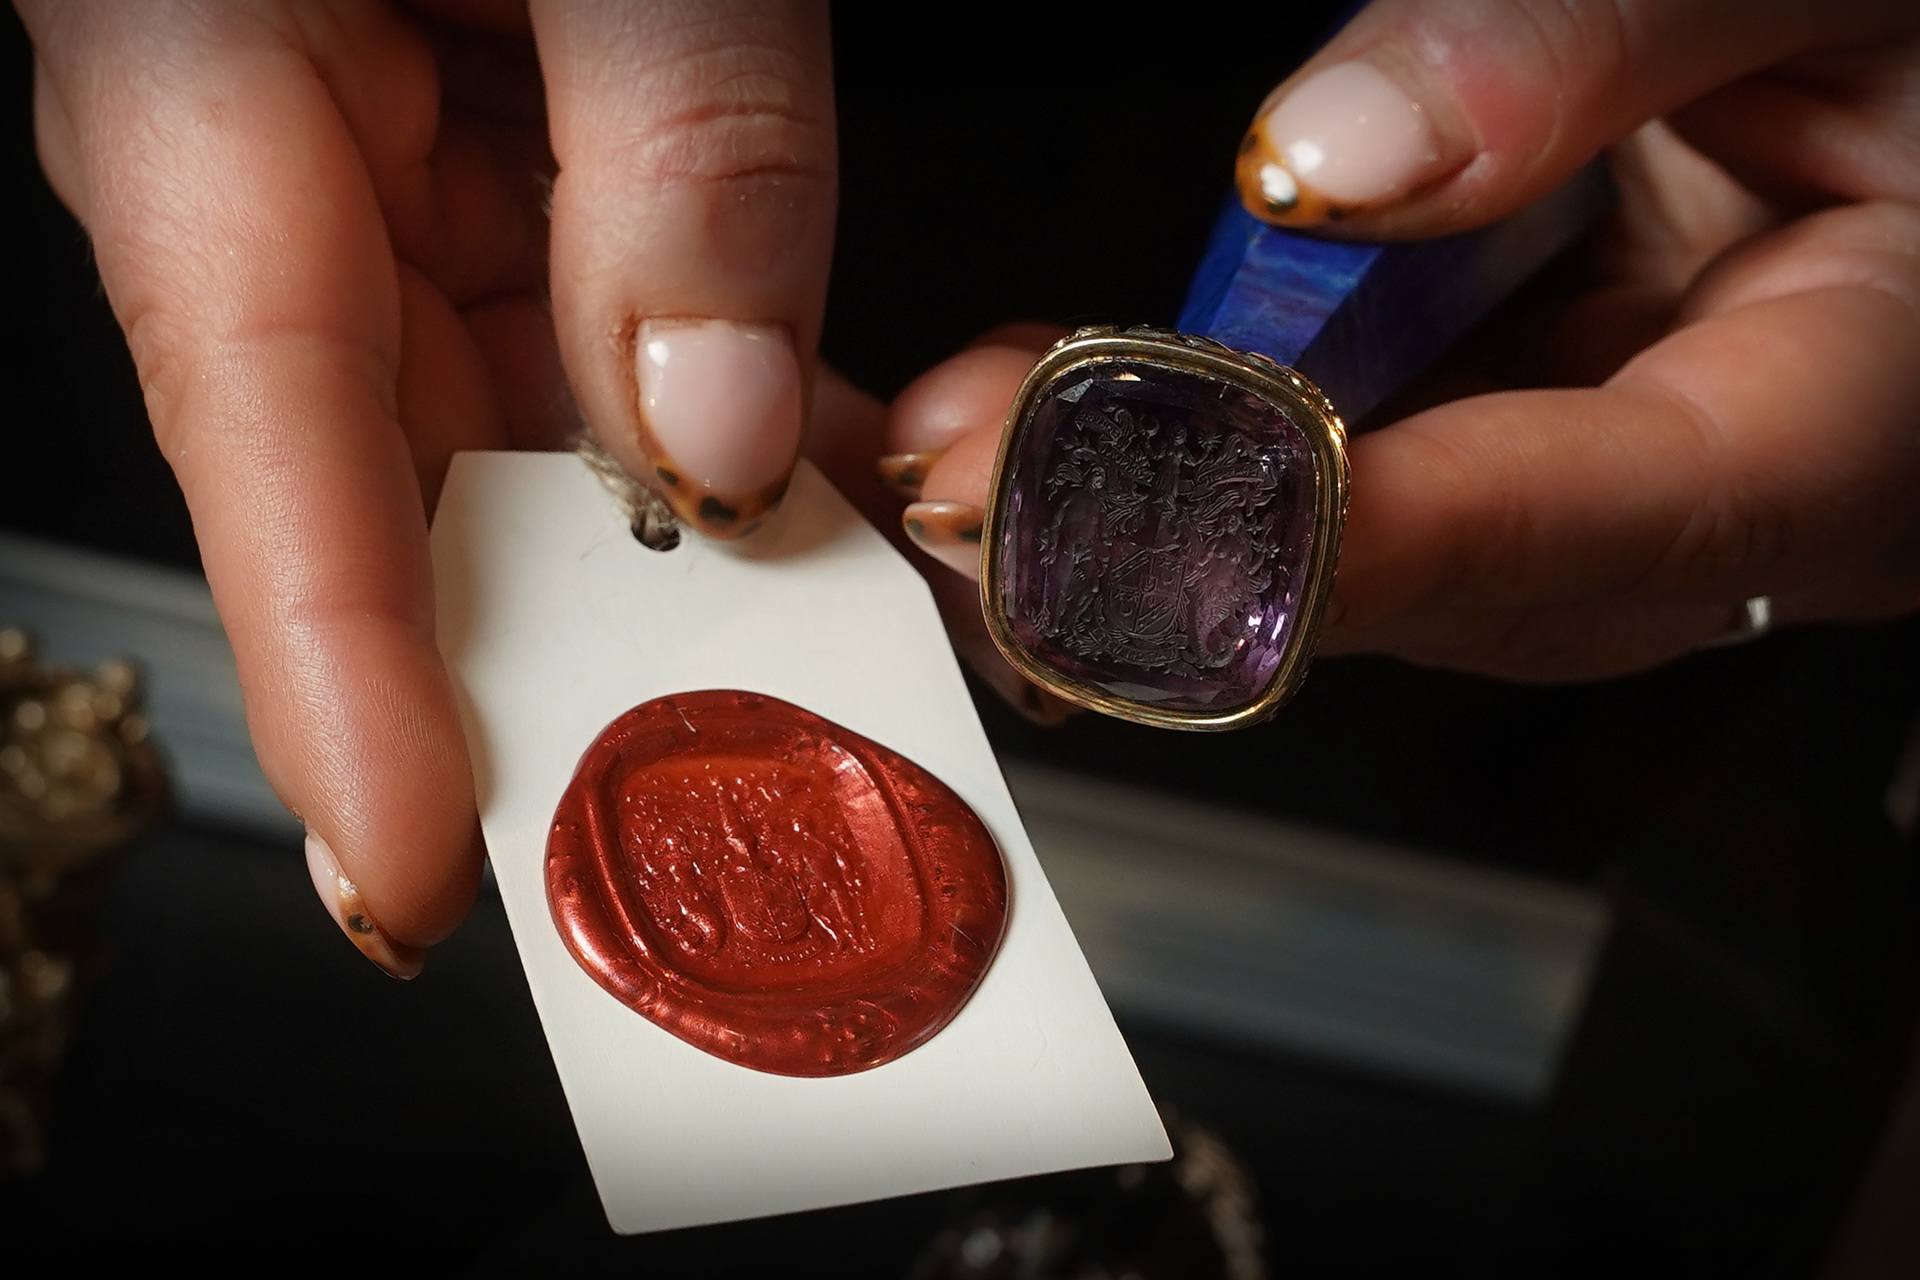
pixel 1157 534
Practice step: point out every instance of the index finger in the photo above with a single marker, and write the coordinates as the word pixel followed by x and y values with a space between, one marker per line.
pixel 263 308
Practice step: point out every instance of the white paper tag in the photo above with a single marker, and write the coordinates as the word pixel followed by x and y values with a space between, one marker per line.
pixel 554 620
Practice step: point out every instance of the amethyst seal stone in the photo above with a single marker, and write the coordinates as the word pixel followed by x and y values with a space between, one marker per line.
pixel 1167 508
pixel 1164 521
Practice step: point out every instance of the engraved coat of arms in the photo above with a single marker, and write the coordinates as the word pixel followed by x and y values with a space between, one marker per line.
pixel 1160 535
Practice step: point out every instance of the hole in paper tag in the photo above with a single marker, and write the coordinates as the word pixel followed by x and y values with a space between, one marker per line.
pixel 661 540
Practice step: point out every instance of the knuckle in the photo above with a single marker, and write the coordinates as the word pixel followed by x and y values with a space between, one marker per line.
pixel 739 113
pixel 1576 42
pixel 1557 58
pixel 1494 542
pixel 1733 537
pixel 1886 256
pixel 1504 553
pixel 733 145
pixel 157 341
pixel 211 383
pixel 1729 543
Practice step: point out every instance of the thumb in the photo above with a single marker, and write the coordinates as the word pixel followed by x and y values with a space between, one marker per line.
pixel 1424 118
pixel 692 228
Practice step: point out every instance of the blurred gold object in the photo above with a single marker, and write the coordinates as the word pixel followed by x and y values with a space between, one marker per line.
pixel 78 779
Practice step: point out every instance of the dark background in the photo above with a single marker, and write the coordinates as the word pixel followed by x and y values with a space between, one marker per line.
pixel 1714 1109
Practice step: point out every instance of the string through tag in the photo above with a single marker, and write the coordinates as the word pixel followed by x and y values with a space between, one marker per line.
pixel 647 513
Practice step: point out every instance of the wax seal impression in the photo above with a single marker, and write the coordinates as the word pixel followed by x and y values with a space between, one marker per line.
pixel 771 887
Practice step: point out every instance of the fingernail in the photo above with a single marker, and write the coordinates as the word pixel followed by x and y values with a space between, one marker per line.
pixel 1344 139
pixel 904 473
pixel 342 901
pixel 719 418
pixel 949 532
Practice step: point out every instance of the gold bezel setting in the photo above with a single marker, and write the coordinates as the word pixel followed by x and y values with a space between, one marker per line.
pixel 1297 398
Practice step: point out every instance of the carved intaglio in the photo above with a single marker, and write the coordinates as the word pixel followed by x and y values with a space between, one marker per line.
pixel 771 887
pixel 1161 534
pixel 755 866
pixel 1160 527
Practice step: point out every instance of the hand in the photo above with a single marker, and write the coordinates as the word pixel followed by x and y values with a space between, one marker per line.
pixel 1732 404
pixel 321 228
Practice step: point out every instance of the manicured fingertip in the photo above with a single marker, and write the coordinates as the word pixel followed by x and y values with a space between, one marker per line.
pixel 1346 138
pixel 343 901
pixel 906 473
pixel 949 532
pixel 719 419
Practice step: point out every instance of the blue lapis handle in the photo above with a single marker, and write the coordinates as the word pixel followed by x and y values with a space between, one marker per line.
pixel 1362 319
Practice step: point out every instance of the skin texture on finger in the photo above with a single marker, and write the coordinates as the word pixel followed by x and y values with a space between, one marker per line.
pixel 953 399
pixel 692 232
pixel 443 389
pixel 514 337
pixel 946 521
pixel 461 202
pixel 961 395
pixel 1765 448
pixel 969 392
pixel 1839 124
pixel 1420 119
pixel 265 315
pixel 480 232
pixel 954 414
pixel 965 471
pixel 1585 316
pixel 1677 212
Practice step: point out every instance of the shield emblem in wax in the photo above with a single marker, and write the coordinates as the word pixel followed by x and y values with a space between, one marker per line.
pixel 771 887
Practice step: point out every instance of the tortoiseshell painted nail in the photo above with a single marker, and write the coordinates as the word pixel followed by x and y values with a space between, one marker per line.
pixel 949 532
pixel 342 901
pixel 905 473
pixel 1344 139
pixel 720 419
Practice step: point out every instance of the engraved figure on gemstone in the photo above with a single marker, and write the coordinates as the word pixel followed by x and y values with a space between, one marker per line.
pixel 1165 540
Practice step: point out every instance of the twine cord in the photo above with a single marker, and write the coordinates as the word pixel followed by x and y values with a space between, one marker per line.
pixel 647 512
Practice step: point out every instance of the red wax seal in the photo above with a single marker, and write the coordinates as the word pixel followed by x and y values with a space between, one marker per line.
pixel 771 887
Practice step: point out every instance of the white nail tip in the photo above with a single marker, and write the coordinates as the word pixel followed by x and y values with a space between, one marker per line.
pixel 1278 186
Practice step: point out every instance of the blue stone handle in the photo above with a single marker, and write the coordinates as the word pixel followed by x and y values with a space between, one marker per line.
pixel 1361 320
